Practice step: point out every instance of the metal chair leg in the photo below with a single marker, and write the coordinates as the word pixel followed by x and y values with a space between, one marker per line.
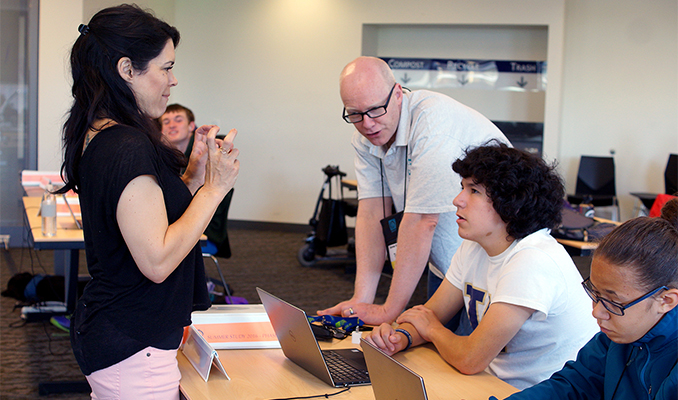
pixel 221 276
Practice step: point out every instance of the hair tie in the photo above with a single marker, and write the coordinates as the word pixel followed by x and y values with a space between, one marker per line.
pixel 83 29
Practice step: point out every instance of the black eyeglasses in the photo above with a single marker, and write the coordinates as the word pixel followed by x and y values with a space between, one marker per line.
pixel 375 112
pixel 611 306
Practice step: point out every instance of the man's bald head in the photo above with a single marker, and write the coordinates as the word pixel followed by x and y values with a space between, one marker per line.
pixel 367 83
pixel 370 71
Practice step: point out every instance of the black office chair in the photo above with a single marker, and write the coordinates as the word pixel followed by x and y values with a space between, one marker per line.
pixel 670 186
pixel 671 175
pixel 596 184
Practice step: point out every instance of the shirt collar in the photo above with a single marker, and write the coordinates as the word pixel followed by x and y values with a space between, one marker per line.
pixel 663 333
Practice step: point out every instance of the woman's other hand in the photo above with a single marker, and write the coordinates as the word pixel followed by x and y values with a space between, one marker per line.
pixel 194 176
pixel 223 166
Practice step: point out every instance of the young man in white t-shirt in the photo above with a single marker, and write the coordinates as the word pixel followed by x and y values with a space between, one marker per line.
pixel 519 287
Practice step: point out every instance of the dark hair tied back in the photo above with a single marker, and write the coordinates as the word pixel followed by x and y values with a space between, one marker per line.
pixel 83 29
pixel 647 245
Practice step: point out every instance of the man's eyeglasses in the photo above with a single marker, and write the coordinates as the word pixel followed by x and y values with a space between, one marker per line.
pixel 376 112
pixel 611 306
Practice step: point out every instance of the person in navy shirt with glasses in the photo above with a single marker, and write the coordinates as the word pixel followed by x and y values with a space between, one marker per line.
pixel 634 289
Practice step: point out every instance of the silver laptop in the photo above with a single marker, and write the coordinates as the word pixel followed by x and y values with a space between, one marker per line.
pixel 338 368
pixel 390 379
pixel 78 222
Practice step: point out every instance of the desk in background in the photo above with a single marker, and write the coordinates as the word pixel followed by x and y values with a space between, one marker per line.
pixel 646 200
pixel 268 374
pixel 66 244
pixel 581 248
pixel 350 184
pixel 578 247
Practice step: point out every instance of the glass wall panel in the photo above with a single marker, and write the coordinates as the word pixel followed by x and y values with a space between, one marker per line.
pixel 18 108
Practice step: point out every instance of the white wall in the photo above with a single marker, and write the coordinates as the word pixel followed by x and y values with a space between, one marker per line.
pixel 163 9
pixel 58 30
pixel 620 90
pixel 270 69
pixel 59 20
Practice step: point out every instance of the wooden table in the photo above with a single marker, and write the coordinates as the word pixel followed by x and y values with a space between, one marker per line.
pixel 66 244
pixel 268 374
pixel 580 248
pixel 350 184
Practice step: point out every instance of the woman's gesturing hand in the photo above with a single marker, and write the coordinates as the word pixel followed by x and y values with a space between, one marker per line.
pixel 223 166
pixel 194 176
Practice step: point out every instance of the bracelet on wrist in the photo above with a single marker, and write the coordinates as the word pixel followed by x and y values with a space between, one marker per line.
pixel 407 335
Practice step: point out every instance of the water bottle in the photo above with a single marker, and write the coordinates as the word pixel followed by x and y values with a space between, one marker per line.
pixel 48 211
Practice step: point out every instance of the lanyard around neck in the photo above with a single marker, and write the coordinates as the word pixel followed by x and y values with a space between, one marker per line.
pixel 381 174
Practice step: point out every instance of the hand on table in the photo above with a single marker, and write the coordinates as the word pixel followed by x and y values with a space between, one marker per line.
pixel 340 309
pixel 423 319
pixel 370 314
pixel 387 339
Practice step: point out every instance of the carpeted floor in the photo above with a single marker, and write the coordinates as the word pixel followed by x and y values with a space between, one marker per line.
pixel 31 353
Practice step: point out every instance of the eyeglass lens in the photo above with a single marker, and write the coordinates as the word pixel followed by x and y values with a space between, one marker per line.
pixel 375 112
pixel 609 306
pixel 613 307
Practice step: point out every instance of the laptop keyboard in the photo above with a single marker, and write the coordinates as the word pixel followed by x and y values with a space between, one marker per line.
pixel 342 371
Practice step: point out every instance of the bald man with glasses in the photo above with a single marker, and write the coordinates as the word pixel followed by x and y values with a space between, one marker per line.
pixel 405 145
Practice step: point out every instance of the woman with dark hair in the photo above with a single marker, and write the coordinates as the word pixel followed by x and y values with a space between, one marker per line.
pixel 518 286
pixel 141 219
pixel 634 288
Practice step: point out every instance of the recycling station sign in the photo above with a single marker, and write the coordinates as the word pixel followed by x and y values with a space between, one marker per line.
pixel 421 73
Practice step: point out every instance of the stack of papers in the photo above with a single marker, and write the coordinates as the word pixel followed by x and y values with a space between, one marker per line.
pixel 236 326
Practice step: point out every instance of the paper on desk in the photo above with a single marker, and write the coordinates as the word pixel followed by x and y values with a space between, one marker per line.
pixel 236 326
